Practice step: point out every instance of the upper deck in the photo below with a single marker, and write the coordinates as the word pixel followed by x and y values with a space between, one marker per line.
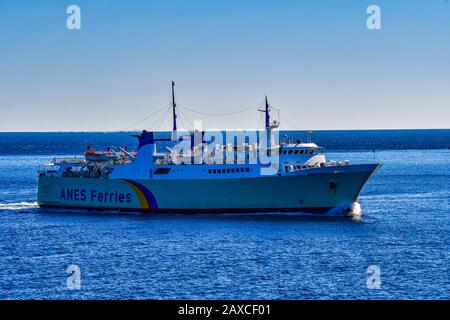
pixel 226 162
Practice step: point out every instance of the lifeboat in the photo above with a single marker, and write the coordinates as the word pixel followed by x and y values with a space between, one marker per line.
pixel 95 156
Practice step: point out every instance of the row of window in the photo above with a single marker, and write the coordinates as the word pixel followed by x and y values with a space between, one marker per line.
pixel 291 168
pixel 299 151
pixel 231 170
pixel 213 171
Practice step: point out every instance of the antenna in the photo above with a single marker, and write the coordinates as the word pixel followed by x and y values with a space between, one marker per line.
pixel 310 136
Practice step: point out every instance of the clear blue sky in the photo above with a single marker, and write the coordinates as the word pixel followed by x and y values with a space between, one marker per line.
pixel 316 60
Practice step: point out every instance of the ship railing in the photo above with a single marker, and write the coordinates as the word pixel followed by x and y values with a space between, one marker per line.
pixel 339 163
pixel 72 160
pixel 293 168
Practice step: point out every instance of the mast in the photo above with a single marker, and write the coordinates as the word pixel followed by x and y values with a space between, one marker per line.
pixel 268 127
pixel 267 111
pixel 174 114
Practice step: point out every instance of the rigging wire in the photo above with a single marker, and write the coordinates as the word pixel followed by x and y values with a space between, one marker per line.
pixel 146 118
pixel 290 123
pixel 161 119
pixel 284 118
pixel 183 115
pixel 221 114
pixel 259 121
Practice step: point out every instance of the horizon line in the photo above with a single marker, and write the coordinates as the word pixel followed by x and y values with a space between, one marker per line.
pixel 184 130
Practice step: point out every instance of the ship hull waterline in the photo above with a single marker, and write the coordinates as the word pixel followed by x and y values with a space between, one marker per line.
pixel 324 192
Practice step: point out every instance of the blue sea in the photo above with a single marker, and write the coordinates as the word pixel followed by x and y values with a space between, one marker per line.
pixel 403 232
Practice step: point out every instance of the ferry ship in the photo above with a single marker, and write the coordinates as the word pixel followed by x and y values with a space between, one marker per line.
pixel 200 174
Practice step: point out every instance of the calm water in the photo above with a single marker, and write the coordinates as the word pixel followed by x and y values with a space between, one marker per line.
pixel 404 230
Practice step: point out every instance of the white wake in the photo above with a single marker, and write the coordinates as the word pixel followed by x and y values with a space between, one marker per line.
pixel 355 211
pixel 18 205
